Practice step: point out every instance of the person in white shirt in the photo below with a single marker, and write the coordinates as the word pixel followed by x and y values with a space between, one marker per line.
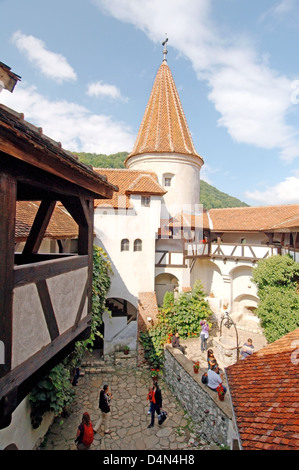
pixel 214 378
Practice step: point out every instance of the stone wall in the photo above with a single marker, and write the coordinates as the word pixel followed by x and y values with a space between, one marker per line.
pixel 212 418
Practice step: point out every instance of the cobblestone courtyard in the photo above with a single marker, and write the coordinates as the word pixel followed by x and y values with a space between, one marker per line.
pixel 129 418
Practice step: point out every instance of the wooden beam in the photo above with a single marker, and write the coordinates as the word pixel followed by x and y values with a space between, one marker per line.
pixel 48 310
pixel 44 270
pixel 82 303
pixel 21 380
pixel 19 374
pixel 37 152
pixel 34 183
pixel 39 227
pixel 8 195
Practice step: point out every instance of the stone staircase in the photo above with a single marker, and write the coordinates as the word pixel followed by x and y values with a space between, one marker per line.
pixel 95 363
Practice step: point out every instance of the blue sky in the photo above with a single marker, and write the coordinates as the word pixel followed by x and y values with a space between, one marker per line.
pixel 88 66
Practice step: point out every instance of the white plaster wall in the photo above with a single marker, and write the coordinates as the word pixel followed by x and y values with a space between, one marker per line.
pixel 230 283
pixel 30 332
pixel 66 291
pixel 210 275
pixel 241 282
pixel 20 431
pixel 119 333
pixel 134 272
pixel 185 187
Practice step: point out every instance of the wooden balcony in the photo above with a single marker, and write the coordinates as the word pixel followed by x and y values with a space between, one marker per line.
pixel 174 259
pixel 232 251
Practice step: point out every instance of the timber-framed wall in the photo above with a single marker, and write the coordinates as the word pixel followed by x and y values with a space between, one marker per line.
pixel 45 299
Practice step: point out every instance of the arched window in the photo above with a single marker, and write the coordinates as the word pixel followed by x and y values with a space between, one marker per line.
pixel 124 245
pixel 138 245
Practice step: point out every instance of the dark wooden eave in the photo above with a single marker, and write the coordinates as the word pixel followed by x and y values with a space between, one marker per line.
pixel 24 141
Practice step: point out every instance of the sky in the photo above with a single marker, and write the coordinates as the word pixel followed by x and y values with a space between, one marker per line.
pixel 87 68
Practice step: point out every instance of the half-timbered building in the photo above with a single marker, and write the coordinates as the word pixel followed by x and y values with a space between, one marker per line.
pixel 160 239
pixel 45 297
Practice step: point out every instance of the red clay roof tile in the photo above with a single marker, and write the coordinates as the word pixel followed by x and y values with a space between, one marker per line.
pixel 164 127
pixel 265 392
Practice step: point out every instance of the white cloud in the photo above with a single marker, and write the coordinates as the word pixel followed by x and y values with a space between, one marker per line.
pixel 285 192
pixel 279 10
pixel 253 100
pixel 51 64
pixel 71 124
pixel 100 89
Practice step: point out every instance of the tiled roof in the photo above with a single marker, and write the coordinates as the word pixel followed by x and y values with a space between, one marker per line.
pixel 164 128
pixel 242 219
pixel 264 390
pixel 61 225
pixel 146 184
pixel 128 182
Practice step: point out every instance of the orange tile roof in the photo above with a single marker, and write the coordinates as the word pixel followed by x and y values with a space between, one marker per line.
pixel 264 390
pixel 128 182
pixel 164 128
pixel 61 225
pixel 242 219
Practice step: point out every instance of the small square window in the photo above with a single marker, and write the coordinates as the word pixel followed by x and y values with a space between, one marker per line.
pixel 145 201
pixel 167 182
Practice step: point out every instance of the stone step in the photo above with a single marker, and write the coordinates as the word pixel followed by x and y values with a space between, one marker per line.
pixel 97 370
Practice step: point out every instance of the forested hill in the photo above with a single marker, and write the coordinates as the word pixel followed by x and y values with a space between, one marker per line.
pixel 210 197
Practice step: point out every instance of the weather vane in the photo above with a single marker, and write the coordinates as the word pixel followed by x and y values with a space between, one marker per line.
pixel 164 43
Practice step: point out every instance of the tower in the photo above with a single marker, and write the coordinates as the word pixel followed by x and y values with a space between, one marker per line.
pixel 164 145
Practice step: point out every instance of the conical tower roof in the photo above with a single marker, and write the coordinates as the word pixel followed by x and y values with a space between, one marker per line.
pixel 164 127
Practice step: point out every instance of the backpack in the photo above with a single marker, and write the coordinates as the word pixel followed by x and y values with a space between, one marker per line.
pixel 87 439
pixel 204 378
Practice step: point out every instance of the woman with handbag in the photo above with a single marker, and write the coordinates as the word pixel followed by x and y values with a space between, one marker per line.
pixel 157 403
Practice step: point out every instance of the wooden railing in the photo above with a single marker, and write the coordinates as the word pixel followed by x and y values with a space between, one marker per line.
pixel 165 258
pixel 236 251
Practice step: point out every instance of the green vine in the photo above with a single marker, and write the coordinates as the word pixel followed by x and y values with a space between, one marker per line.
pixel 182 315
pixel 55 391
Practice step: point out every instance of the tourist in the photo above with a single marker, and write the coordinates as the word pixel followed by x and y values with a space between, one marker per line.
pixel 157 403
pixel 84 433
pixel 204 334
pixel 175 341
pixel 150 399
pixel 211 358
pixel 104 405
pixel 214 378
pixel 247 349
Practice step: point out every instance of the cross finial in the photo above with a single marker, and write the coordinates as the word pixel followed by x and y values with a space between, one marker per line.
pixel 165 51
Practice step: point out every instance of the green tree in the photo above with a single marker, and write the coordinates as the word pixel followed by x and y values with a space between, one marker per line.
pixel 277 280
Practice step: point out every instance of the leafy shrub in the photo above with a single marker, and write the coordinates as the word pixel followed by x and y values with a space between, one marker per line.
pixel 182 315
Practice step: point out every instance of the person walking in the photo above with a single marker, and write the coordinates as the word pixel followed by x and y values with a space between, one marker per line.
pixel 157 403
pixel 104 405
pixel 204 334
pixel 150 399
pixel 85 433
